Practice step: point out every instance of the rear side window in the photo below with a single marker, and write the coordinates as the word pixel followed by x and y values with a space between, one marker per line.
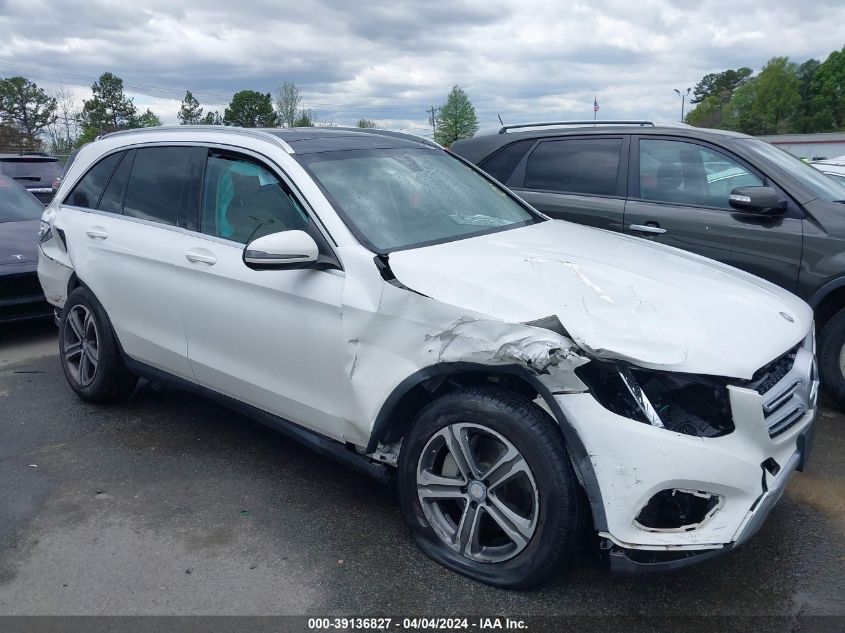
pixel 501 164
pixel 585 166
pixel 158 184
pixel 87 191
pixel 112 199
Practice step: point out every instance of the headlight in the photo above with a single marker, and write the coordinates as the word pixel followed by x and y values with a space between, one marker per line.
pixel 684 403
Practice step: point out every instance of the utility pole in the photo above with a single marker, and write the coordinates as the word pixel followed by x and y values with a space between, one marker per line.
pixel 432 119
pixel 683 96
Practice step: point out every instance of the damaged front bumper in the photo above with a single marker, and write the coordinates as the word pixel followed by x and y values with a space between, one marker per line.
pixel 722 488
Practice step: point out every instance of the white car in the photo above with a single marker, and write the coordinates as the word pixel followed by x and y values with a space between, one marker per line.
pixel 833 167
pixel 393 307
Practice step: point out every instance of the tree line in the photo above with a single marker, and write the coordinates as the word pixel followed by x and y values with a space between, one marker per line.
pixel 454 120
pixel 31 119
pixel 784 97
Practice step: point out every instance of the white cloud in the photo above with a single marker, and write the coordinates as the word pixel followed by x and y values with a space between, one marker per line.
pixel 389 61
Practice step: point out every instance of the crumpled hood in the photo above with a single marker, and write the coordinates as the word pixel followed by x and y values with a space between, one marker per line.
pixel 19 242
pixel 617 296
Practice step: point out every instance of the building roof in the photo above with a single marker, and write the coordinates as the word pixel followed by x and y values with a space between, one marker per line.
pixel 788 139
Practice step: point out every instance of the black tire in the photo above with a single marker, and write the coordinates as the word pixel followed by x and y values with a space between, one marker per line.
pixel 830 344
pixel 110 380
pixel 535 435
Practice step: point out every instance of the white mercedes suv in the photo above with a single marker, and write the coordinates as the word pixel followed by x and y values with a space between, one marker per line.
pixel 393 307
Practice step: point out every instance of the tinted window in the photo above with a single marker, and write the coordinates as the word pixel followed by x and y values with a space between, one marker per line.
pixel 16 203
pixel 587 166
pixel 87 191
pixel 156 185
pixel 501 164
pixel 689 174
pixel 242 201
pixel 112 200
pixel 400 198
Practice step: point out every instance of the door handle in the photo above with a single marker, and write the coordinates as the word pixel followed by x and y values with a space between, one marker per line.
pixel 198 257
pixel 97 233
pixel 647 228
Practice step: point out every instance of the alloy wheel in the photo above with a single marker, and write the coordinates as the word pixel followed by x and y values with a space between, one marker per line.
pixel 80 345
pixel 477 492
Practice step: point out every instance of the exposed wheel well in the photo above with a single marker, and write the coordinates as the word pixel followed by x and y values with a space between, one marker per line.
pixel 830 305
pixel 402 407
pixel 406 408
pixel 73 283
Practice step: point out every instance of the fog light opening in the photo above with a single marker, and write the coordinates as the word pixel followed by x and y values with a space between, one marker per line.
pixel 676 510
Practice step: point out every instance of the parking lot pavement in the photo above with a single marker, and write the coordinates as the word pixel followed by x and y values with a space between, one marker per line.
pixel 171 504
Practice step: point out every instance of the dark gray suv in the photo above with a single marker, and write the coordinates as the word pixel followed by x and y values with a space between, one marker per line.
pixel 723 195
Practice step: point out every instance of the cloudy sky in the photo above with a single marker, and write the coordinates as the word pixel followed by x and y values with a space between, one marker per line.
pixel 525 60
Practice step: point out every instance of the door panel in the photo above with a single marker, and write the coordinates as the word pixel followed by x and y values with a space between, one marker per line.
pixel 603 213
pixel 132 269
pixel 270 338
pixel 681 188
pixel 707 232
pixel 130 264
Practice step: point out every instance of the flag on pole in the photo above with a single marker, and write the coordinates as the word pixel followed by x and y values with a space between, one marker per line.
pixel 595 104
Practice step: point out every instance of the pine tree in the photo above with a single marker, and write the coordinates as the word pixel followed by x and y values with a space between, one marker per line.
pixel 456 119
pixel 190 113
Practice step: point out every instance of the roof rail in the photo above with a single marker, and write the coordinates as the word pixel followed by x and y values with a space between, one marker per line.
pixel 210 128
pixel 505 128
pixel 405 135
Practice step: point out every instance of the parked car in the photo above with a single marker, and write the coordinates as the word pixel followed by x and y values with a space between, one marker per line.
pixel 833 167
pixel 386 303
pixel 20 293
pixel 720 194
pixel 36 172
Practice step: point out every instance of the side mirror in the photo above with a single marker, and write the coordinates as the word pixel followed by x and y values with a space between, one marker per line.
pixel 760 200
pixel 284 250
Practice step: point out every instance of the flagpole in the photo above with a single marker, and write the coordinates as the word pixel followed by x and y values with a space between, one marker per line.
pixel 595 111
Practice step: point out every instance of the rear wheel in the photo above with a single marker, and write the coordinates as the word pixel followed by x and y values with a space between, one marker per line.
pixel 90 356
pixel 487 488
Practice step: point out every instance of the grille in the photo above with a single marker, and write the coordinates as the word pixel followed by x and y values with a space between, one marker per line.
pixel 770 375
pixel 784 384
pixel 19 285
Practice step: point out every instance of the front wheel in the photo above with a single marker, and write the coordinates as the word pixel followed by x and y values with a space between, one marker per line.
pixel 487 488
pixel 831 357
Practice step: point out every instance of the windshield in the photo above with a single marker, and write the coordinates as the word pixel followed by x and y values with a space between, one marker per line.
pixel 402 198
pixel 16 203
pixel 810 177
pixel 31 170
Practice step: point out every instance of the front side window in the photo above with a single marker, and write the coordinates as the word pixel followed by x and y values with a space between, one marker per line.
pixel 808 176
pixel 581 166
pixel 158 182
pixel 401 198
pixel 688 174
pixel 87 191
pixel 243 200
